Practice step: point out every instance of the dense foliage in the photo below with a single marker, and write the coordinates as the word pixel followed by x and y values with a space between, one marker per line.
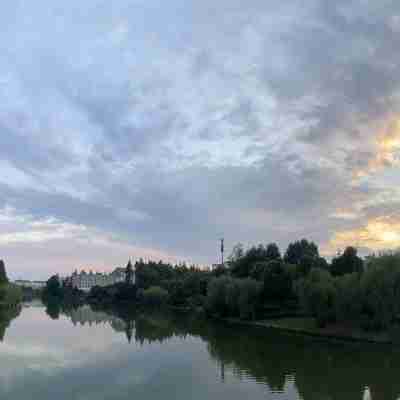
pixel 3 274
pixel 184 286
pixel 259 283
pixel 234 297
pixel 10 294
pixel 55 295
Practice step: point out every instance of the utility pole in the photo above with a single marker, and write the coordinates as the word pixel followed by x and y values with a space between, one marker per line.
pixel 222 252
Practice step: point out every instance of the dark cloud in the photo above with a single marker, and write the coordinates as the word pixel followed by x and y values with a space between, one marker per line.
pixel 172 124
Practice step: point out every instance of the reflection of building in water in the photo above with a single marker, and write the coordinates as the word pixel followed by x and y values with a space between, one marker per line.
pixel 85 315
pixel 86 280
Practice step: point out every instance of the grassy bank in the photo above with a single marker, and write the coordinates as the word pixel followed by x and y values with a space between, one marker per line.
pixel 308 326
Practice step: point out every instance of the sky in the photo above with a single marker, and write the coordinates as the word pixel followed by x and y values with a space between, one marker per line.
pixel 146 128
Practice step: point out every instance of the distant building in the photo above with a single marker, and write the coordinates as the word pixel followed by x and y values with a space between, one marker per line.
pixel 30 284
pixel 86 280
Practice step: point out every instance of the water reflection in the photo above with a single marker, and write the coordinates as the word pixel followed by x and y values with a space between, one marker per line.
pixel 6 316
pixel 320 369
pixel 163 355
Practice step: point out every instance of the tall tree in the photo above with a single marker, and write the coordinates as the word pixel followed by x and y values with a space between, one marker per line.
pixel 272 252
pixel 347 263
pixel 3 274
pixel 299 249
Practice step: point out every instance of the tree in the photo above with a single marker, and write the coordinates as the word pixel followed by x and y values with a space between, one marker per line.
pixel 249 295
pixel 129 273
pixel 380 289
pixel 3 274
pixel 242 266
pixel 272 252
pixel 228 296
pixel 53 288
pixel 317 294
pixel 216 301
pixel 299 249
pixel 258 270
pixel 277 282
pixel 347 263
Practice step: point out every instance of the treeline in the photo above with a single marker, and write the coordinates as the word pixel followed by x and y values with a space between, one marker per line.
pixel 177 285
pixel 260 282
pixel 349 290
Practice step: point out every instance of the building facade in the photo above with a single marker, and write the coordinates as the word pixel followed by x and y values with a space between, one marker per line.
pixel 86 280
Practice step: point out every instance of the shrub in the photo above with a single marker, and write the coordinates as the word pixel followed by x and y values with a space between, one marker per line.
pixel 380 290
pixel 317 294
pixel 249 292
pixel 233 297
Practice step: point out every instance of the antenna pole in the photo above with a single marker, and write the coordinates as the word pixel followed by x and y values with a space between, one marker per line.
pixel 222 252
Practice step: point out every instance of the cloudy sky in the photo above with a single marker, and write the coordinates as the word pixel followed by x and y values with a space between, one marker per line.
pixel 152 128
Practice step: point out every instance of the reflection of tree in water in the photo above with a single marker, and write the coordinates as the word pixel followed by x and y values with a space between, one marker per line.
pixel 320 369
pixel 86 315
pixel 53 309
pixel 6 316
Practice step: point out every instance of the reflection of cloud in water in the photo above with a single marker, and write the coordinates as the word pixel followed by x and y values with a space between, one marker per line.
pixel 182 357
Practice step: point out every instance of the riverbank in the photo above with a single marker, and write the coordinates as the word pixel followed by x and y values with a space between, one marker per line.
pixel 307 326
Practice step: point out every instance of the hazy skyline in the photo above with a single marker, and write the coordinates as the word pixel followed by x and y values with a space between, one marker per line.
pixel 149 128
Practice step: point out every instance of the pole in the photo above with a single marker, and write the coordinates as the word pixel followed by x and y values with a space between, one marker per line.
pixel 222 252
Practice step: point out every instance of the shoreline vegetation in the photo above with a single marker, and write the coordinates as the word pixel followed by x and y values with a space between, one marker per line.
pixel 349 298
pixel 10 294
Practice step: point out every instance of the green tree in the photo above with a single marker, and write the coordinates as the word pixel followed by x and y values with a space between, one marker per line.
pixel 216 301
pixel 3 274
pixel 53 289
pixel 258 270
pixel 273 252
pixel 299 249
pixel 278 284
pixel 380 290
pixel 317 294
pixel 249 298
pixel 347 263
pixel 242 266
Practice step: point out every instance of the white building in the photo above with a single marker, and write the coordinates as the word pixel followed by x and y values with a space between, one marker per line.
pixel 86 280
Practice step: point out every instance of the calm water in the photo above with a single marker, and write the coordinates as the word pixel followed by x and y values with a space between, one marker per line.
pixel 86 355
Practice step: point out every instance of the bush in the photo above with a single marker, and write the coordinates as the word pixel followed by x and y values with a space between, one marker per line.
pixel 249 292
pixel 380 290
pixel 233 297
pixel 317 295
pixel 278 283
pixel 348 299
pixel 216 301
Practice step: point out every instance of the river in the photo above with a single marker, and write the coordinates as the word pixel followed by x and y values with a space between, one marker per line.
pixel 85 354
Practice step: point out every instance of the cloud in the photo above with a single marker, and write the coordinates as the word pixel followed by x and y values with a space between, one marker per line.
pixel 165 126
pixel 376 235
